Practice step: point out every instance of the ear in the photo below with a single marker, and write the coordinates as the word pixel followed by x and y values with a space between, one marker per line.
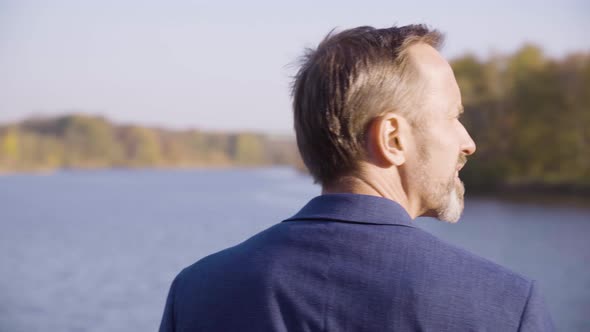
pixel 386 140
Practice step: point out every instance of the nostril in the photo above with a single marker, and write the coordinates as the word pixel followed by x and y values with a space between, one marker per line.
pixel 470 147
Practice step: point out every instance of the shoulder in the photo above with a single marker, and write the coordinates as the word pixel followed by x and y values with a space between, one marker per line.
pixel 452 273
pixel 455 256
pixel 237 258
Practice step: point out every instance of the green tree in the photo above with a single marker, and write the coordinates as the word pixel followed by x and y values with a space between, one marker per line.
pixel 88 141
pixel 142 146
pixel 247 149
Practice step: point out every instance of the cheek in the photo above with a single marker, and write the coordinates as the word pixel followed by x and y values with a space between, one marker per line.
pixel 444 159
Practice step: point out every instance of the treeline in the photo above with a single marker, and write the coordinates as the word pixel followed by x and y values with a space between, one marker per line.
pixel 530 117
pixel 83 141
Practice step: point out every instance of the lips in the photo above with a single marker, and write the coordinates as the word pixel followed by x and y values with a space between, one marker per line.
pixel 459 167
pixel 462 160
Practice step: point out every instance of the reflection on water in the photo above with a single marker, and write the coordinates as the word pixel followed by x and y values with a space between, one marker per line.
pixel 96 251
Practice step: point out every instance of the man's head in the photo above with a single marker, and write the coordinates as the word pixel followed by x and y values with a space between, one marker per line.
pixel 381 106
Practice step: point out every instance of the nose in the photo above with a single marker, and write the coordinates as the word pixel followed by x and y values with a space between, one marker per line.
pixel 468 147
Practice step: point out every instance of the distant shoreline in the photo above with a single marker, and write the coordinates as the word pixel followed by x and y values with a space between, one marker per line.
pixel 4 172
pixel 513 191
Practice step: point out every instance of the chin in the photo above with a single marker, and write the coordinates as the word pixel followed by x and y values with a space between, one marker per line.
pixel 453 208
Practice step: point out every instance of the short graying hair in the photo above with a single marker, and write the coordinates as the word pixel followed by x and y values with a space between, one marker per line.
pixel 351 78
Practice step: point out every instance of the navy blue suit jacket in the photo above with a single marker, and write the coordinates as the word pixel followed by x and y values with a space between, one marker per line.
pixel 349 262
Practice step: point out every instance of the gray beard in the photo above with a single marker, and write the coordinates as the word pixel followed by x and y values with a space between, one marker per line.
pixel 451 203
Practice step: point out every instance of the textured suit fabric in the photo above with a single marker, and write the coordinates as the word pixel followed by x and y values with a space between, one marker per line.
pixel 348 262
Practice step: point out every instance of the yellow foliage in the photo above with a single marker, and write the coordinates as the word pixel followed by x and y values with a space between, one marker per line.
pixel 9 146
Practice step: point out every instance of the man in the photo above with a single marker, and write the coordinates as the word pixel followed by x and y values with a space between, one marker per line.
pixel 376 118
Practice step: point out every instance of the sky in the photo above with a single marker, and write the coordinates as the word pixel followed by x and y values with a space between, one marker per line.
pixel 227 65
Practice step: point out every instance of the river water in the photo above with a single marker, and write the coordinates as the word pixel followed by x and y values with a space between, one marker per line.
pixel 97 250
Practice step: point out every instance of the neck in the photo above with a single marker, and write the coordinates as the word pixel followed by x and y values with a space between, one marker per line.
pixel 376 184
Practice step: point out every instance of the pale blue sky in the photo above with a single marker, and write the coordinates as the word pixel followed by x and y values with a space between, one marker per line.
pixel 224 65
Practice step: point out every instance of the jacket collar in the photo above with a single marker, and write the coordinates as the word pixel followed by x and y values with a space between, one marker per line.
pixel 355 208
